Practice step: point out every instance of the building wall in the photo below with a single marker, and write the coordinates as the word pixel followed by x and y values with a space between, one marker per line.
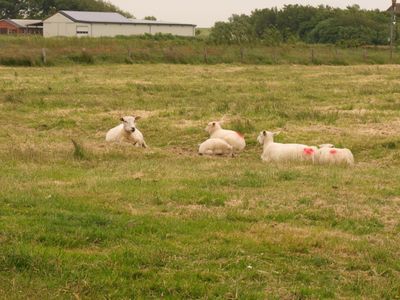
pixel 173 29
pixel 7 28
pixel 59 25
pixel 113 30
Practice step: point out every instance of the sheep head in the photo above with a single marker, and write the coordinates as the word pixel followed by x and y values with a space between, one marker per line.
pixel 129 123
pixel 213 126
pixel 266 136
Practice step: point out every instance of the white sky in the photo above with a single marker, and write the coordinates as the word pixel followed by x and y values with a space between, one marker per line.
pixel 205 13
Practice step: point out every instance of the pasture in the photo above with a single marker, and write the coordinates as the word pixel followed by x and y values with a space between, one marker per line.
pixel 113 221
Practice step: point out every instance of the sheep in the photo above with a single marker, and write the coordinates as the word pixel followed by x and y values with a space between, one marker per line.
pixel 328 154
pixel 233 138
pixel 277 152
pixel 215 147
pixel 127 132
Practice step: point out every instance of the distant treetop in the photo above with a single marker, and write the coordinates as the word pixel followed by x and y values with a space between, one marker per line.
pixel 352 26
pixel 41 9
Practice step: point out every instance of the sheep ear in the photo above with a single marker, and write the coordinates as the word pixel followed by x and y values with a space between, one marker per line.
pixel 213 124
pixel 138 118
pixel 122 119
pixel 264 133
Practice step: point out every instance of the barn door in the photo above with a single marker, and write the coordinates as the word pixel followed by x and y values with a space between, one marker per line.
pixel 82 31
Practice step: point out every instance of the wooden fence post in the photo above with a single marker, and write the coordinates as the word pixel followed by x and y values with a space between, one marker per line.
pixel 241 54
pixel 365 55
pixel 129 53
pixel 312 55
pixel 44 56
pixel 391 54
pixel 205 55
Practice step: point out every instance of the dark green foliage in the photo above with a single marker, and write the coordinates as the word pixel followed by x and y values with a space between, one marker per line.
pixel 322 24
pixel 44 8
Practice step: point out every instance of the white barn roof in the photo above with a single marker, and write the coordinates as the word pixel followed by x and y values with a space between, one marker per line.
pixel 23 23
pixel 111 18
pixel 151 22
pixel 94 17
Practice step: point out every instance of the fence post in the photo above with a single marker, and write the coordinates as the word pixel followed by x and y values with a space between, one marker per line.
pixel 391 54
pixel 312 55
pixel 129 53
pixel 44 56
pixel 205 55
pixel 241 54
pixel 365 55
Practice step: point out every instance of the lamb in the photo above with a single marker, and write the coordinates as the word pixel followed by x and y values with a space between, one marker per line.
pixel 277 152
pixel 127 132
pixel 233 138
pixel 215 147
pixel 328 154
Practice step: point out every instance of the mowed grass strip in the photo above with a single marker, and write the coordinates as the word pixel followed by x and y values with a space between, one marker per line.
pixel 95 220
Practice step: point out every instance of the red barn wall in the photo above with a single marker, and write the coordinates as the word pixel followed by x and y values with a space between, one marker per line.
pixel 7 28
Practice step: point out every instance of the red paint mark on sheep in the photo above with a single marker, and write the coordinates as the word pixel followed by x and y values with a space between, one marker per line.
pixel 308 151
pixel 333 151
pixel 241 135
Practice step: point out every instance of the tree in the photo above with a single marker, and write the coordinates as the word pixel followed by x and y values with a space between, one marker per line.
pixel 11 9
pixel 41 9
pixel 322 24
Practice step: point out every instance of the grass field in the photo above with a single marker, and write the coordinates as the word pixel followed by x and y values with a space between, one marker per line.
pixel 108 221
pixel 27 51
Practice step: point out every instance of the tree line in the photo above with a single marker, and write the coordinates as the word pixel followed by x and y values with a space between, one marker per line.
pixel 293 23
pixel 41 9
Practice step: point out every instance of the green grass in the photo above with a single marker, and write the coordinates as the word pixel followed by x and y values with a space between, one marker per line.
pixel 27 51
pixel 86 219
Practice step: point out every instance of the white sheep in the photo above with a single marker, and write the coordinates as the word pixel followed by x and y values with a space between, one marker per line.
pixel 127 132
pixel 328 154
pixel 215 147
pixel 277 152
pixel 233 138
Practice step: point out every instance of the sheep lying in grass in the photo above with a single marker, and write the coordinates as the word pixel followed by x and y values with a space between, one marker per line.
pixel 328 154
pixel 277 152
pixel 127 132
pixel 215 147
pixel 233 138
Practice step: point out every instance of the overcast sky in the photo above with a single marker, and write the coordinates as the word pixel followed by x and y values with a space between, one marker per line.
pixel 205 13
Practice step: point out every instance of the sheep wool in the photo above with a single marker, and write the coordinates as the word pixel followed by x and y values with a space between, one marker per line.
pixel 277 152
pixel 215 147
pixel 328 154
pixel 233 138
pixel 127 132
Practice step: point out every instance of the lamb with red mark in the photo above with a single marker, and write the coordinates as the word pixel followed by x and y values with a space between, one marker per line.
pixel 278 152
pixel 233 138
pixel 329 155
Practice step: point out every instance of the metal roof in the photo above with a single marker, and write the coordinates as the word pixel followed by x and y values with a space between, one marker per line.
pixel 94 17
pixel 151 22
pixel 23 23
pixel 111 18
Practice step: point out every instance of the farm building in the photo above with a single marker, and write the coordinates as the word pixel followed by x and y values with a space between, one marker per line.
pixel 101 24
pixel 21 26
